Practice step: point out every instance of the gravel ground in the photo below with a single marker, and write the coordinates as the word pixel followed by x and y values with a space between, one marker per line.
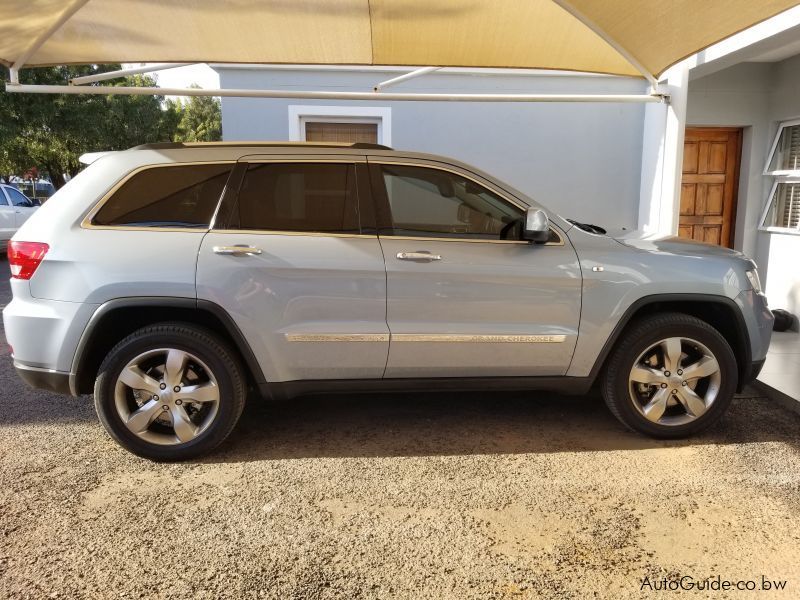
pixel 396 496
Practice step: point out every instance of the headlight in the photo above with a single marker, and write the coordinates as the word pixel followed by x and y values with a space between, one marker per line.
pixel 754 280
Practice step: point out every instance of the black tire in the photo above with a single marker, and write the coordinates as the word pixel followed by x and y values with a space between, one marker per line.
pixel 640 336
pixel 208 348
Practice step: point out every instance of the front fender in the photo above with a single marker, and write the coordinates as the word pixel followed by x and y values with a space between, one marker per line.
pixel 619 281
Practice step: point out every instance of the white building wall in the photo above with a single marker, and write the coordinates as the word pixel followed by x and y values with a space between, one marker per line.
pixel 739 97
pixel 757 97
pixel 582 160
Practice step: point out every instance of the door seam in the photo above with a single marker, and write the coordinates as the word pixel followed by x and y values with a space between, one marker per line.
pixel 386 306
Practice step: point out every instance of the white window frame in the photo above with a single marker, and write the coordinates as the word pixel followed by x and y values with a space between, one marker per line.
pixel 299 115
pixel 778 177
pixel 780 173
pixel 768 204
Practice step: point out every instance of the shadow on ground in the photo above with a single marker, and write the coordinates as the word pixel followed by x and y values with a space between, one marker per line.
pixel 384 425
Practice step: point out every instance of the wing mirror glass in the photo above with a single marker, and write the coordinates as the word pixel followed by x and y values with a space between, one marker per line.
pixel 537 226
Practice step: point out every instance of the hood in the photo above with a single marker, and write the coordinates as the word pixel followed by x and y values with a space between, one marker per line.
pixel 675 245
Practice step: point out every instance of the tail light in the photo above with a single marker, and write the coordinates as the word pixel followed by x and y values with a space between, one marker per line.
pixel 24 258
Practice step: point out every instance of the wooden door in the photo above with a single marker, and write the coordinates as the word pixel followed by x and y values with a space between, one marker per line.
pixel 709 185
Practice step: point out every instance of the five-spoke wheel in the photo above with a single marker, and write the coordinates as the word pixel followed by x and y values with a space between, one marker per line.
pixel 170 391
pixel 670 375
pixel 167 396
pixel 674 381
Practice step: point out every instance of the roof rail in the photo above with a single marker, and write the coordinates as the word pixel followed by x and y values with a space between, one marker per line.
pixel 175 145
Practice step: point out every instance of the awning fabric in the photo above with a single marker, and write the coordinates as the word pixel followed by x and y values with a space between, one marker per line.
pixel 549 34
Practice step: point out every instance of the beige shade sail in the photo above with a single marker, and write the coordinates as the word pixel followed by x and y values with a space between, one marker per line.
pixel 622 37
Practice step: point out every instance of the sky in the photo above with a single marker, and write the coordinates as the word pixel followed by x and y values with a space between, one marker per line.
pixel 183 77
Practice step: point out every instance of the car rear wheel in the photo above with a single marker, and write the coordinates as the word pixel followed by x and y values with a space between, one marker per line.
pixel 170 391
pixel 670 376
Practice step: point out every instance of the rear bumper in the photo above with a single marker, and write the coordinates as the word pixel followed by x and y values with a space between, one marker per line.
pixel 44 333
pixel 44 379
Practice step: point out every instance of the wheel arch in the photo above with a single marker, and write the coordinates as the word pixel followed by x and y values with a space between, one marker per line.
pixel 720 312
pixel 116 319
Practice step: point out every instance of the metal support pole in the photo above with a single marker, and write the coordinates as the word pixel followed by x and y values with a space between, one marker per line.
pixel 405 77
pixel 126 72
pixel 248 93
pixel 567 6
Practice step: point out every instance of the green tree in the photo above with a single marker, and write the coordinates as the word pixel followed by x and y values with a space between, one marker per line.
pixel 51 131
pixel 200 119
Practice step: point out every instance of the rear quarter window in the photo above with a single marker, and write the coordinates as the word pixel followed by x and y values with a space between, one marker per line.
pixel 170 196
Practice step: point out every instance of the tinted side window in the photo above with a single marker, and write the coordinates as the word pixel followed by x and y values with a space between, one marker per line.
pixel 174 196
pixel 435 203
pixel 314 197
pixel 18 198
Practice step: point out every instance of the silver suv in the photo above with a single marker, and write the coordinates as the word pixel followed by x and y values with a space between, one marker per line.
pixel 173 279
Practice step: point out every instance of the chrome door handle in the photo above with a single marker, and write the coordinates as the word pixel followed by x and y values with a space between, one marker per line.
pixel 240 250
pixel 420 255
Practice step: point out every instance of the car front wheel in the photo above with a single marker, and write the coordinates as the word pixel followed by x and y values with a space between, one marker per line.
pixel 170 391
pixel 670 376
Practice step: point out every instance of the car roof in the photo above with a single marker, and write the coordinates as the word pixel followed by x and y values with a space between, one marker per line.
pixel 214 151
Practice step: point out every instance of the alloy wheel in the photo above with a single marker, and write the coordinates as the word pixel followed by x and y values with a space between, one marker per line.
pixel 167 396
pixel 674 381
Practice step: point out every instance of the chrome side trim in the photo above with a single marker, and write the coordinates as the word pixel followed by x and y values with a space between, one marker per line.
pixel 478 338
pixel 337 337
pixel 483 183
pixel 425 337
pixel 86 223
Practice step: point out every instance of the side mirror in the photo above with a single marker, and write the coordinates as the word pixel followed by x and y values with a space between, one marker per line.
pixel 537 226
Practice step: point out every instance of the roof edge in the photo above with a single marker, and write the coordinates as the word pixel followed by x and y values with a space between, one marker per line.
pixel 256 144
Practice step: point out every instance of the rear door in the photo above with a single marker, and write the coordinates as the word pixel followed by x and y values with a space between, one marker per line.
pixel 295 260
pixel 467 297
pixel 23 206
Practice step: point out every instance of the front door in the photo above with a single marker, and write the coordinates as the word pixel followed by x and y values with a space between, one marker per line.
pixel 291 261
pixel 466 297
pixel 709 185
pixel 23 206
pixel 7 216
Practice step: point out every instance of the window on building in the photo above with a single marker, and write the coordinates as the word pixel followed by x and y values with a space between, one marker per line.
pixel 313 197
pixel 345 133
pixel 785 155
pixel 173 196
pixel 782 210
